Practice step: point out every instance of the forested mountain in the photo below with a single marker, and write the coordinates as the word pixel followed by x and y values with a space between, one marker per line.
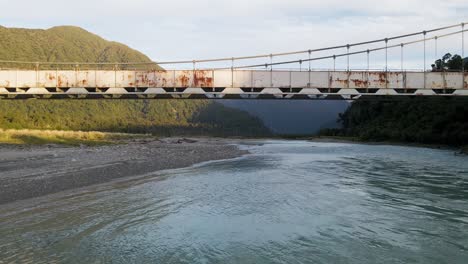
pixel 419 120
pixel 166 117
pixel 72 44
pixel 429 120
pixel 62 44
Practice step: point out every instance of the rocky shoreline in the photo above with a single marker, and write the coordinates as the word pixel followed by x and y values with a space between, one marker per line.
pixel 33 171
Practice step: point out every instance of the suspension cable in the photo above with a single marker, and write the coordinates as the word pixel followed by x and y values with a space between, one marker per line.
pixel 348 54
pixel 237 58
pixel 316 50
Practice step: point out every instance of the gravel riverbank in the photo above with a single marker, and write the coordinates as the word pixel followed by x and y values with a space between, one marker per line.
pixel 32 171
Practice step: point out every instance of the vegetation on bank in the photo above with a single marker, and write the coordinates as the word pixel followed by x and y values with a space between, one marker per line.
pixel 426 120
pixel 71 138
pixel 159 117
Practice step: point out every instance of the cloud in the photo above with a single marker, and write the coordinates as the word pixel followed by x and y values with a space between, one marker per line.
pixel 210 28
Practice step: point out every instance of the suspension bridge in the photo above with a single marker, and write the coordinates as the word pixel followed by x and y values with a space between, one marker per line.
pixel 239 79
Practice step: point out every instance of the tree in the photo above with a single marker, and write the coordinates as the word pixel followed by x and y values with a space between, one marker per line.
pixel 450 62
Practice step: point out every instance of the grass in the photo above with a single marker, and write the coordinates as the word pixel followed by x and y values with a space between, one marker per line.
pixel 70 138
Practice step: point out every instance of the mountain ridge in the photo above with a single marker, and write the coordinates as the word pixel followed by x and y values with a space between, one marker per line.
pixel 64 44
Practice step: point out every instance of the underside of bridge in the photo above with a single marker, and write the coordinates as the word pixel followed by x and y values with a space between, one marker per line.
pixel 379 95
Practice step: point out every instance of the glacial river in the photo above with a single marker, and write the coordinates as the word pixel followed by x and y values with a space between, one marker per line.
pixel 287 202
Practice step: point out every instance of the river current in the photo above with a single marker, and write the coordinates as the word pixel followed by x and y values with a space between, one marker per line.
pixel 287 202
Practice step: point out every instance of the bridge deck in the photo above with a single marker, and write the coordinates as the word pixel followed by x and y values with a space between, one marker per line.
pixel 217 84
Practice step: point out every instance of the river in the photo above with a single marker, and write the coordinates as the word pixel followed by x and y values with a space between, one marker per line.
pixel 287 202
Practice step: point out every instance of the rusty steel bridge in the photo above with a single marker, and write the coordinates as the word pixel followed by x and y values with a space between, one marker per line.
pixel 219 84
pixel 69 80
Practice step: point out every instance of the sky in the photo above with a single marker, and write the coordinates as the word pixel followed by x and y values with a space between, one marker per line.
pixel 186 29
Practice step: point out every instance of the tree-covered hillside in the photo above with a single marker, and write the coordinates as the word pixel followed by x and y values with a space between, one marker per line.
pixel 164 117
pixel 184 117
pixel 62 44
pixel 429 120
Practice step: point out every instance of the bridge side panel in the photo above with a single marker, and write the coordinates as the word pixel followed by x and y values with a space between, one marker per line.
pixel 358 80
pixel 106 79
pixel 435 80
pixel 26 79
pixel 338 80
pixel 320 79
pixel 453 80
pixel 465 80
pixel 243 79
pixel 281 79
pixel 203 79
pixel 151 79
pixel 396 80
pixel 162 79
pixel 85 79
pixel 66 79
pixel 222 78
pixel 262 79
pixel 7 79
pixel 183 79
pixel 377 80
pixel 142 78
pixel 415 80
pixel 132 78
pixel 299 79
pixel 47 79
pixel 125 79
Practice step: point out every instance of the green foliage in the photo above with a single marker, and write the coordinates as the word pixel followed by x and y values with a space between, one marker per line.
pixel 427 120
pixel 450 62
pixel 419 120
pixel 62 44
pixel 165 118
pixel 161 117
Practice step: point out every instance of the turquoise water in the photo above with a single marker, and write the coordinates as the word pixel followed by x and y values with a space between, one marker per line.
pixel 288 202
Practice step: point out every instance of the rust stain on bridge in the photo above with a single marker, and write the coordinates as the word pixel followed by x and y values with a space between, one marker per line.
pixel 184 79
pixel 50 76
pixel 142 79
pixel 61 82
pixel 203 79
pixel 383 76
pixel 360 83
pixel 84 83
